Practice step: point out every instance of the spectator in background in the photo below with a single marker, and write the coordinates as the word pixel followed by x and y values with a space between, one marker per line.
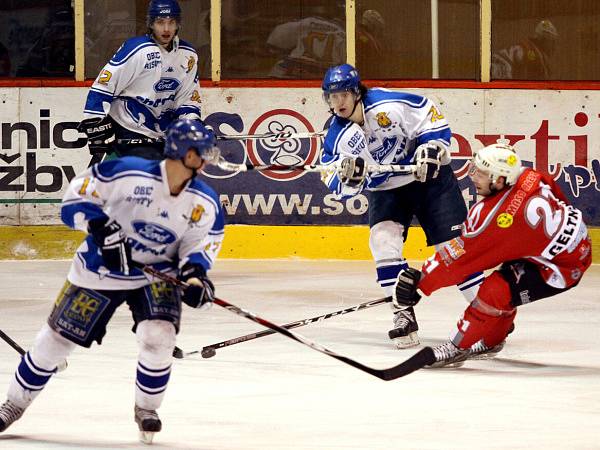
pixel 309 46
pixel 369 38
pixel 529 59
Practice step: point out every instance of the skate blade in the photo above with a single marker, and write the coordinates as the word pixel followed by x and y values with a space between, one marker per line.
pixel 402 342
pixel 454 365
pixel 146 437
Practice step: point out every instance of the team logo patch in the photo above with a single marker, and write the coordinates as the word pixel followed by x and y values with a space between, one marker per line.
pixel 504 220
pixel 166 84
pixel 191 62
pixel 153 232
pixel 383 120
pixel 511 160
pixel 197 213
pixel 196 97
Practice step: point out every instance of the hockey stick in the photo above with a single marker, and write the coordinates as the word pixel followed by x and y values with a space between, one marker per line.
pixel 281 135
pixel 60 367
pixel 12 343
pixel 419 360
pixel 210 350
pixel 372 168
pixel 234 137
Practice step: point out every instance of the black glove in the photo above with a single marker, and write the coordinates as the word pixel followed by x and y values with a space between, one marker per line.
pixel 111 239
pixel 405 291
pixel 352 172
pixel 428 159
pixel 200 292
pixel 100 134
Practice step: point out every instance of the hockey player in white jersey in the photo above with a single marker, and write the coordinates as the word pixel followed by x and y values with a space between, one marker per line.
pixel 379 126
pixel 157 213
pixel 149 82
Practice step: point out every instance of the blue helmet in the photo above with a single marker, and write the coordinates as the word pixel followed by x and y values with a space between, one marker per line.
pixel 163 8
pixel 341 78
pixel 184 134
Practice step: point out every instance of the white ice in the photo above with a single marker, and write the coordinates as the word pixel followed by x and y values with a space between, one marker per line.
pixel 541 392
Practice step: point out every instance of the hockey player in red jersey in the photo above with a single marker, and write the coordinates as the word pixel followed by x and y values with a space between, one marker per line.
pixel 524 224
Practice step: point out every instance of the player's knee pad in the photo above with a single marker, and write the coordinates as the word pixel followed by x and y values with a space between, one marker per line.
pixel 156 339
pixel 495 292
pixel 50 348
pixel 386 240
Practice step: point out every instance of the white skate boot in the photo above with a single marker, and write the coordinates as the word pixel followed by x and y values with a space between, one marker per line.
pixel 9 413
pixel 404 333
pixel 448 355
pixel 480 350
pixel 148 423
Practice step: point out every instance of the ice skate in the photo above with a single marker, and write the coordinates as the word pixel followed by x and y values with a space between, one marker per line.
pixel 9 413
pixel 148 423
pixel 404 333
pixel 448 355
pixel 480 350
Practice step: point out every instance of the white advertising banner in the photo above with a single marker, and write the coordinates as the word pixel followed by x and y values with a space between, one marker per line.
pixel 554 131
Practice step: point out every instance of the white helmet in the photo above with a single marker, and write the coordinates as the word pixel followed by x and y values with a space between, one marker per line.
pixel 499 160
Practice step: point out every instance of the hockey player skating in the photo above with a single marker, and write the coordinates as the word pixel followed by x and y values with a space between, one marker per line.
pixel 158 213
pixel 150 82
pixel 524 223
pixel 378 126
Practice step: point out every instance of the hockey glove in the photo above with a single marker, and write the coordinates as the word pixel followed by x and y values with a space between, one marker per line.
pixel 428 159
pixel 111 239
pixel 352 172
pixel 405 291
pixel 100 134
pixel 200 292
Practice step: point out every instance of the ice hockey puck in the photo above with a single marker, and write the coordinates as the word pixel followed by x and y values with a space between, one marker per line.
pixel 208 353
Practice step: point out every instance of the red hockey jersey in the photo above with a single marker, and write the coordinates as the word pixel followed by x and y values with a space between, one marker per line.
pixel 530 220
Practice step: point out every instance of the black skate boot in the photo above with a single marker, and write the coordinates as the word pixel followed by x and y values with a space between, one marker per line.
pixel 148 423
pixel 448 355
pixel 404 333
pixel 9 413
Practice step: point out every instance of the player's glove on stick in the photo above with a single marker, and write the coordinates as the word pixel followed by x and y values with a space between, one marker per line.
pixel 111 239
pixel 352 171
pixel 201 292
pixel 100 134
pixel 405 291
pixel 428 159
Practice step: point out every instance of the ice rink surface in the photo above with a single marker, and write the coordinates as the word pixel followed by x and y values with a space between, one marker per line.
pixel 541 392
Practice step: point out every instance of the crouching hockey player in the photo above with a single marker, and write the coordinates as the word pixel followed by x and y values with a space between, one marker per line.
pixel 524 224
pixel 150 82
pixel 378 126
pixel 180 234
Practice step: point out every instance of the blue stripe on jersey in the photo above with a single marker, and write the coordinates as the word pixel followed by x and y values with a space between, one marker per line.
pixel 130 47
pixel 335 132
pixel 187 109
pixel 125 167
pixel 186 46
pixel 376 97
pixel 70 208
pixel 443 135
pixel 95 100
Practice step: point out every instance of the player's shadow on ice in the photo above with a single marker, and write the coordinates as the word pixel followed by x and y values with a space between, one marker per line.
pixel 60 441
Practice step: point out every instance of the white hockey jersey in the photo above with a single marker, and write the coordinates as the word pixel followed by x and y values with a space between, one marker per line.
pixel 396 123
pixel 314 44
pixel 144 87
pixel 164 231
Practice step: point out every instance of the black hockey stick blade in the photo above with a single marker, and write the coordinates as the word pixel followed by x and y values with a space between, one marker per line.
pixel 422 358
pixel 210 350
